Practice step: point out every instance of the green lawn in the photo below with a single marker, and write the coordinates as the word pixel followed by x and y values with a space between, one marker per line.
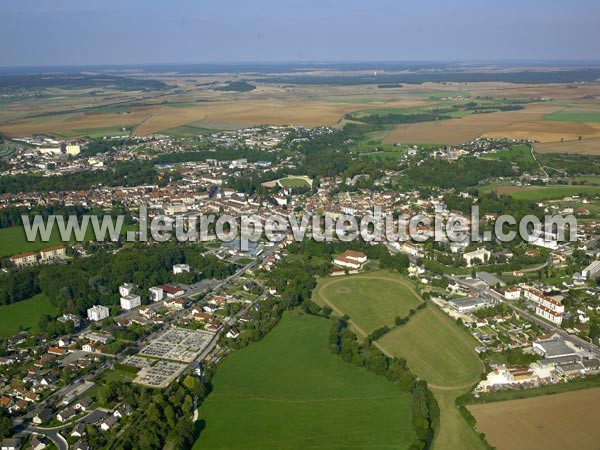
pixel 436 349
pixel 14 241
pixel 372 300
pixel 24 314
pixel 289 391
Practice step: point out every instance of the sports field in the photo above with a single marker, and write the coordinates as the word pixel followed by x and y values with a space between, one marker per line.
pixel 25 314
pixel 371 300
pixel 551 422
pixel 289 391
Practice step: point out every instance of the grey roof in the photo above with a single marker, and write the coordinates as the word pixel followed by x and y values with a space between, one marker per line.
pixel 467 301
pixel 490 279
pixel 555 347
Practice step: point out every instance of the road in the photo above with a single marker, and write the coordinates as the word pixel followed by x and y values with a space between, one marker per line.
pixel 575 340
pixel 54 434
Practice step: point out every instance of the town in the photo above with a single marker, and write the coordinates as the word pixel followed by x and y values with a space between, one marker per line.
pixel 532 307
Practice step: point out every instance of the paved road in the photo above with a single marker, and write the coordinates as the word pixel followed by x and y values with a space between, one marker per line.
pixel 575 340
pixel 51 433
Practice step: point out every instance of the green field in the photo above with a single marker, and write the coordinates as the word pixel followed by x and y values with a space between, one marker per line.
pixel 14 241
pixel 436 349
pixel 454 431
pixel 25 314
pixel 539 193
pixel 519 154
pixel 372 300
pixel 289 391
pixel 440 352
pixel 574 115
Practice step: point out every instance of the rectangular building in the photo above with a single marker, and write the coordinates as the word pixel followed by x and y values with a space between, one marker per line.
pixel 97 313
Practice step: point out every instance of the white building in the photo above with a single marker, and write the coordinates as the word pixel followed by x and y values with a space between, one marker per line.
pixel 180 268
pixel 350 259
pixel 156 294
pixel 546 307
pixel 73 149
pixel 126 289
pixel 481 255
pixel 97 313
pixel 51 253
pixel 131 301
pixel 549 314
pixel 592 271
pixel 512 293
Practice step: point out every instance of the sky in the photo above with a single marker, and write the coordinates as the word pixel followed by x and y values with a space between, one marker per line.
pixel 93 32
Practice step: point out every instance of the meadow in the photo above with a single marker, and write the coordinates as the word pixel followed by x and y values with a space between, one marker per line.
pixel 371 300
pixel 14 241
pixel 440 352
pixel 535 193
pixel 289 391
pixel 25 314
pixel 436 349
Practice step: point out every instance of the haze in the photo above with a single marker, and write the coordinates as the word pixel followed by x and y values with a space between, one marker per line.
pixel 69 32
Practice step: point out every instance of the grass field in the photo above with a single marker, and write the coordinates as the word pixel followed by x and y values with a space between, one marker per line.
pixel 574 115
pixel 555 422
pixel 14 241
pixel 520 154
pixel 440 352
pixel 371 300
pixel 436 349
pixel 454 431
pixel 24 314
pixel 289 391
pixel 533 193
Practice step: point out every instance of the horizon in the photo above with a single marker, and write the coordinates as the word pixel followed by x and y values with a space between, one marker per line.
pixel 67 33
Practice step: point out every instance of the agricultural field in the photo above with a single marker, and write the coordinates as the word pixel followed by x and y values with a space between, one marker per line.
pixel 25 314
pixel 371 300
pixel 184 104
pixel 575 115
pixel 552 422
pixel 289 391
pixel 581 147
